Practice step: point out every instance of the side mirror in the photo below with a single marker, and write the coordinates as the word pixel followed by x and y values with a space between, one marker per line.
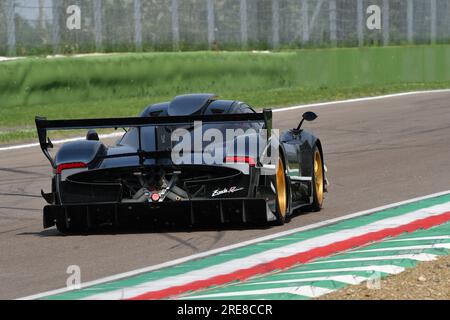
pixel 92 135
pixel 307 116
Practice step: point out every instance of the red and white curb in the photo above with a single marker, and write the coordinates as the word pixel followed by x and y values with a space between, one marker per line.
pixel 281 257
pixel 286 256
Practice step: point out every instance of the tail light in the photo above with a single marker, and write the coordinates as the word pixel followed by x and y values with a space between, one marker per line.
pixel 236 159
pixel 75 165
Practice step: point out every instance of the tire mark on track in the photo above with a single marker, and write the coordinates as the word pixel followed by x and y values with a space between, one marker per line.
pixel 217 237
pixel 20 209
pixel 13 230
pixel 21 181
pixel 20 195
pixel 12 170
pixel 379 148
pixel 180 242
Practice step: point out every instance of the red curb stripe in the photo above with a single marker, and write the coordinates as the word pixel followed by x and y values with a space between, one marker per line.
pixel 303 257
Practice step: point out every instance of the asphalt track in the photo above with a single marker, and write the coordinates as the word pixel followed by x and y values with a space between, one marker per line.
pixel 377 152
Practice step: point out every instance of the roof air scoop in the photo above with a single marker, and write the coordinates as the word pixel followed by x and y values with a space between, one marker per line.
pixel 190 104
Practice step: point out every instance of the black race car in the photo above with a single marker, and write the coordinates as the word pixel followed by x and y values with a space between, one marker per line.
pixel 194 161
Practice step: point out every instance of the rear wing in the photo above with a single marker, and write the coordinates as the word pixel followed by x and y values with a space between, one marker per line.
pixel 43 125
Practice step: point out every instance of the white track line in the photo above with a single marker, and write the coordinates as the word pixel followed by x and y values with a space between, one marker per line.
pixel 234 246
pixel 32 145
pixel 394 95
pixel 313 105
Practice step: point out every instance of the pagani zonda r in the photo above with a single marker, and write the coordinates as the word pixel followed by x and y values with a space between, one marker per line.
pixel 138 181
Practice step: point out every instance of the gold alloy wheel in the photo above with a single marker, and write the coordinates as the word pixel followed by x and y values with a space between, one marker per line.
pixel 318 176
pixel 281 188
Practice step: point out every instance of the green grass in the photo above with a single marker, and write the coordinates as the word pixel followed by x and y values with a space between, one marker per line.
pixel 122 84
pixel 22 117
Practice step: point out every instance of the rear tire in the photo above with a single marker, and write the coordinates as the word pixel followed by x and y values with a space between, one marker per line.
pixel 282 203
pixel 317 181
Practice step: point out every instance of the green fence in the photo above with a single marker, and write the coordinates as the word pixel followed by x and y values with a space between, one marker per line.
pixel 30 27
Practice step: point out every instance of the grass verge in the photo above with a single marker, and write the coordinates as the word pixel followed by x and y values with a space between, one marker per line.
pixel 123 84
pixel 16 123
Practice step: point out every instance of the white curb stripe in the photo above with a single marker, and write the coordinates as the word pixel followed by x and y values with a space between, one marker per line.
pixel 420 239
pixel 32 145
pixel 307 291
pixel 418 247
pixel 313 105
pixel 234 246
pixel 273 254
pixel 348 279
pixel 419 257
pixel 389 269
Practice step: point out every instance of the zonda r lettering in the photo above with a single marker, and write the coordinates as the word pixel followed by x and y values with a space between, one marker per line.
pixel 220 192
